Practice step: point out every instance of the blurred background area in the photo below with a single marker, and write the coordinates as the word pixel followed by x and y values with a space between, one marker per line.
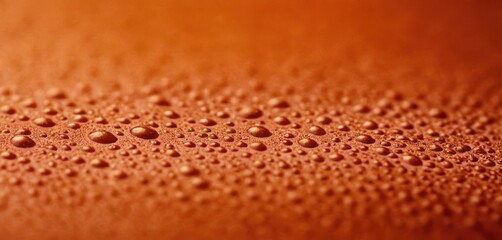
pixel 43 42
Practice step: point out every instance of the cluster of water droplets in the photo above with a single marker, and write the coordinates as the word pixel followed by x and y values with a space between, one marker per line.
pixel 368 160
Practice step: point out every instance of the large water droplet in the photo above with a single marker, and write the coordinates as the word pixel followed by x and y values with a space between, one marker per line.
pixel 367 139
pixel 43 122
pixel 308 143
pixel 259 131
pixel 412 160
pixel 103 137
pixel 144 132
pixel 22 141
pixel 250 112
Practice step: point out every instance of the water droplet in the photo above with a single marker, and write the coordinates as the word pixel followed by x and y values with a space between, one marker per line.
pixel 7 155
pixel 144 132
pixel 278 103
pixel 250 112
pixel 281 120
pixel 365 139
pixel 258 146
pixel 172 153
pixel 43 122
pixel 316 130
pixel 56 93
pixel 22 141
pixel 361 108
pixel 7 109
pixel 188 170
pixel 343 128
pixel 98 163
pixel 488 163
pixel 119 174
pixel 207 122
pixel 323 120
pixel 382 150
pixel 103 137
pixel 336 157
pixel 412 160
pixel 370 125
pixel 100 120
pixel 199 183
pixel 259 131
pixel 171 114
pixel 317 158
pixel 308 143
pixel 434 112
pixel 158 100
pixel 435 147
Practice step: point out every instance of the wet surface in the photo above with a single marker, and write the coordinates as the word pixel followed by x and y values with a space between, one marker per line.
pixel 253 120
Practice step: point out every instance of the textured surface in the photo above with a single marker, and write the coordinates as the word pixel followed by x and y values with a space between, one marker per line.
pixel 256 120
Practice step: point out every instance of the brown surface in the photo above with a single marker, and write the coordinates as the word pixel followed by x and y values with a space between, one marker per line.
pixel 250 120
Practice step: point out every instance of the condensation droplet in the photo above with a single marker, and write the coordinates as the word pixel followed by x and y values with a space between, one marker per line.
pixel 22 141
pixel 308 143
pixel 103 137
pixel 259 131
pixel 144 132
pixel 43 122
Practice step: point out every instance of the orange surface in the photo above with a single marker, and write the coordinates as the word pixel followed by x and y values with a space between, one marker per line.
pixel 250 119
